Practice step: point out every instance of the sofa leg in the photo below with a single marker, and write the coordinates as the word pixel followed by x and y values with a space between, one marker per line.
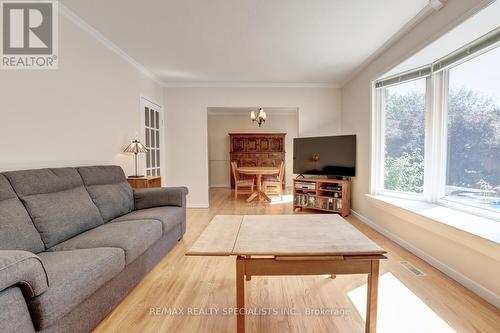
pixel 180 239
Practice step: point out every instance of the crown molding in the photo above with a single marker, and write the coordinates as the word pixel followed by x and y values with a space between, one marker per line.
pixel 244 111
pixel 208 84
pixel 422 15
pixel 78 21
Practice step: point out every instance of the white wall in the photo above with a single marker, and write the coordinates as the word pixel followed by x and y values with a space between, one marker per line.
pixel 472 267
pixel 85 112
pixel 186 125
pixel 218 141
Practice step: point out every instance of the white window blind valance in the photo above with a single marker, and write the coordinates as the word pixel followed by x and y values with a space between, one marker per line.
pixel 406 76
pixel 487 41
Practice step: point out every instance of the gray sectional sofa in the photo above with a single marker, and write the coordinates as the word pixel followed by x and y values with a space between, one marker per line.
pixel 75 241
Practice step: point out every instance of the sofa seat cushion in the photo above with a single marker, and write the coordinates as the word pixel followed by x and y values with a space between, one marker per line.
pixel 17 231
pixel 109 189
pixel 57 202
pixel 73 277
pixel 170 217
pixel 134 237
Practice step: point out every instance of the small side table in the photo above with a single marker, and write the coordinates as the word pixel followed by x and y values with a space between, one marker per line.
pixel 144 182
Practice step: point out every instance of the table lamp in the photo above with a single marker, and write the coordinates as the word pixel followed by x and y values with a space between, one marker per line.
pixel 136 147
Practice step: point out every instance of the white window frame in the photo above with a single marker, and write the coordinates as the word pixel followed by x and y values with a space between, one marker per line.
pixel 436 132
pixel 442 199
pixel 435 151
pixel 378 138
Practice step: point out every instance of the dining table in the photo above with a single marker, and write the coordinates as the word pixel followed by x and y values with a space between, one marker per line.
pixel 258 172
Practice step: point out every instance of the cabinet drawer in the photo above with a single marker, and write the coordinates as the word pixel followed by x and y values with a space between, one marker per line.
pixel 276 156
pixel 248 163
pixel 156 182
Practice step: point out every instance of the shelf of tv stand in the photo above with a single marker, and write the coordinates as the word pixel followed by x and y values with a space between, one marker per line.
pixel 324 194
pixel 303 190
pixel 323 190
pixel 327 197
pixel 316 208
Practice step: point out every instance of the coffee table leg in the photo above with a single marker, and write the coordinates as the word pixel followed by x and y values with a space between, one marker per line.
pixel 240 294
pixel 371 302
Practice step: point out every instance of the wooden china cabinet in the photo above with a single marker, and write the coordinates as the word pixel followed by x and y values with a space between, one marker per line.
pixel 257 149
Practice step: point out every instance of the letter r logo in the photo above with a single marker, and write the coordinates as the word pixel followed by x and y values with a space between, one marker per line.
pixel 27 28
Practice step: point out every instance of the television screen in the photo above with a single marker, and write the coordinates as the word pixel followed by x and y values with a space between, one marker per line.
pixel 325 155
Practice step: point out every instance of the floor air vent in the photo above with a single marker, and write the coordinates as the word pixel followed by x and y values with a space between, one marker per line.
pixel 412 268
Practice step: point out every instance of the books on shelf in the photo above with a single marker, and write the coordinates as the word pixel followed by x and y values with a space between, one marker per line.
pixel 312 201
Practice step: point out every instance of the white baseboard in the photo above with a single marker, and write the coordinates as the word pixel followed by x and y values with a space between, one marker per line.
pixel 475 287
pixel 194 205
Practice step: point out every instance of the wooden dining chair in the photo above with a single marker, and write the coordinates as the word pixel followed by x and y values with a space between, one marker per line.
pixel 240 183
pixel 274 185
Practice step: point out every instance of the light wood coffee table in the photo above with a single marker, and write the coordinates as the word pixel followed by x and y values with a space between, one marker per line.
pixel 292 245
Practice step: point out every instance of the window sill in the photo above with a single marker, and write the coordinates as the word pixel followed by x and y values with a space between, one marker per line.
pixel 423 212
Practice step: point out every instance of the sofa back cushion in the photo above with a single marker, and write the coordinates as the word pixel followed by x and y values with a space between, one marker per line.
pixel 109 189
pixel 17 231
pixel 57 202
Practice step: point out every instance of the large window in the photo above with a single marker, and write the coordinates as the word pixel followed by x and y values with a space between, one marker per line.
pixel 473 140
pixel 437 130
pixel 404 137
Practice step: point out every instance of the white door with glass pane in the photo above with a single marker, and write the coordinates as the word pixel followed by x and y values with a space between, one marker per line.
pixel 152 124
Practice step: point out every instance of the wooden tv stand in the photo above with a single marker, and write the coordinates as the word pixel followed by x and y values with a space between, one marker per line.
pixel 328 195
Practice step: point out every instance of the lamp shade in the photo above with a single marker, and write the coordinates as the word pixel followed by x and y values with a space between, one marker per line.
pixel 136 147
pixel 252 115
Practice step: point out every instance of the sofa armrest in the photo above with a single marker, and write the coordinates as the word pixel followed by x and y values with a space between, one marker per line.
pixel 23 269
pixel 160 196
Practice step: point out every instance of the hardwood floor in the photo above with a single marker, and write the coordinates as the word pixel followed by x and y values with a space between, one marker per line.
pixel 167 298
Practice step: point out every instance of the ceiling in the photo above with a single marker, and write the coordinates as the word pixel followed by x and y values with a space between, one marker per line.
pixel 248 41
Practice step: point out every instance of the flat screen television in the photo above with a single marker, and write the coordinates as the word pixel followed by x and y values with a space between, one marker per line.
pixel 325 155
